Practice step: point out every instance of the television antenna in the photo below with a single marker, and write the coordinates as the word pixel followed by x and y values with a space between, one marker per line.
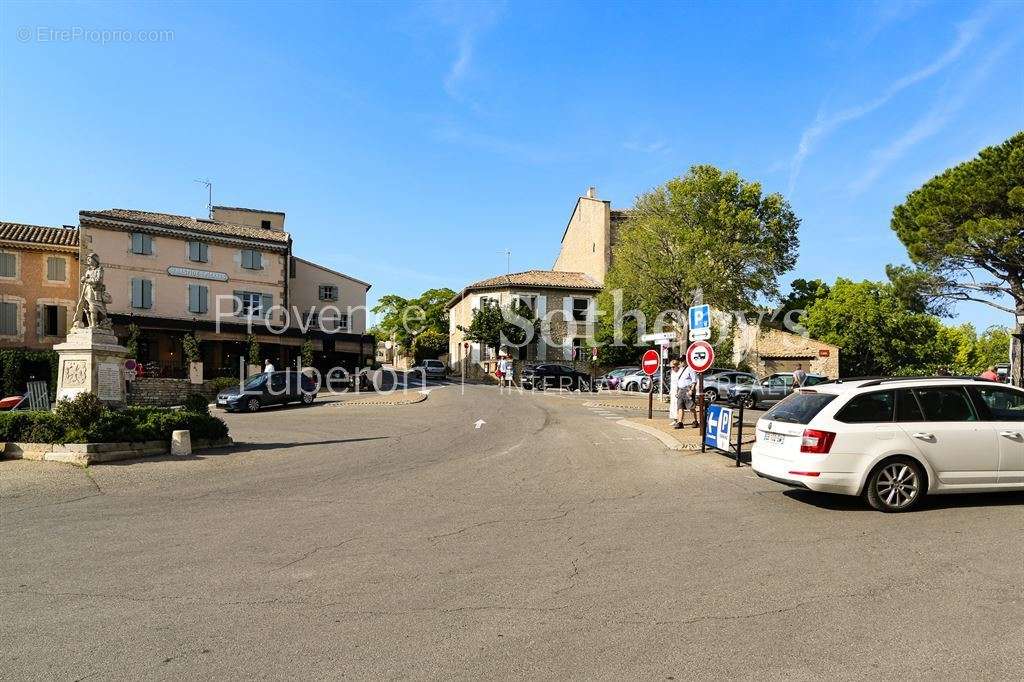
pixel 508 261
pixel 209 195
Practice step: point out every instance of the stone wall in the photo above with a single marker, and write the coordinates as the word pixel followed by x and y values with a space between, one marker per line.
pixel 155 392
pixel 769 350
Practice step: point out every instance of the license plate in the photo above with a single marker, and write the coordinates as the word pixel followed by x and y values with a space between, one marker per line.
pixel 773 438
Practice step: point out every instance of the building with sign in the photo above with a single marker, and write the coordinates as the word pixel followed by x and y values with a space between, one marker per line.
pixel 172 275
pixel 38 284
pixel 767 350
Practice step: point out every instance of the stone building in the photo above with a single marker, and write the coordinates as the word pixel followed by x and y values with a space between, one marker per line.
pixel 767 350
pixel 172 275
pixel 38 284
pixel 565 302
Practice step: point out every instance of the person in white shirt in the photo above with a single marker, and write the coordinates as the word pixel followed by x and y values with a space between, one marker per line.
pixel 268 366
pixel 676 370
pixel 799 376
pixel 505 367
pixel 684 397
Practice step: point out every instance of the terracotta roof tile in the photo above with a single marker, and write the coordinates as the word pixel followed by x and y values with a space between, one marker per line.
pixel 187 223
pixel 552 279
pixel 38 234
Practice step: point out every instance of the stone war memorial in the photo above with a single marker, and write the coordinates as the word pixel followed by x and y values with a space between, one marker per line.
pixel 90 359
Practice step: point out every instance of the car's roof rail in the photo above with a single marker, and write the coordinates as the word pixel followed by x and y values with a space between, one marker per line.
pixel 887 380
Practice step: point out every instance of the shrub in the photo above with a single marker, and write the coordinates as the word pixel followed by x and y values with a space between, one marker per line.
pixel 221 383
pixel 80 412
pixel 198 403
pixel 132 424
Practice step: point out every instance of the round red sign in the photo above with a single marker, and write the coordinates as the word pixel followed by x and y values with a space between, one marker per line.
pixel 650 362
pixel 700 356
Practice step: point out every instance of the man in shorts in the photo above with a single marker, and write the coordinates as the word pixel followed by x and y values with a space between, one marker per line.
pixel 684 397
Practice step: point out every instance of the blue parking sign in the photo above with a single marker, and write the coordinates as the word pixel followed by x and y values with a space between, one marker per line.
pixel 719 428
pixel 700 317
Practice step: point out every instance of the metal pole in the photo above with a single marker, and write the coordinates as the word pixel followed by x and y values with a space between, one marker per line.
pixel 703 412
pixel 739 438
pixel 650 399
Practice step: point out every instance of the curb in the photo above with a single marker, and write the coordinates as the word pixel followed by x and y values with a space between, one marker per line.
pixel 379 403
pixel 667 441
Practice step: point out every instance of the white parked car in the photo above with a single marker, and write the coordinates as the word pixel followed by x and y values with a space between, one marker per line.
pixel 895 440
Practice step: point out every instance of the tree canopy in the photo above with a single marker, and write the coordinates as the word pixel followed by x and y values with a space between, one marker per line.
pixel 965 229
pixel 708 231
pixel 415 324
pixel 495 327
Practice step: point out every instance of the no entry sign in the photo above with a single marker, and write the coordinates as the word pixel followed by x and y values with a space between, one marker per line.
pixel 700 356
pixel 650 363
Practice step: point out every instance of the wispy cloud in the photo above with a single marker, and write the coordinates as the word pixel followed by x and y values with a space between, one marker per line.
pixel 933 121
pixel 495 144
pixel 824 125
pixel 468 21
pixel 654 147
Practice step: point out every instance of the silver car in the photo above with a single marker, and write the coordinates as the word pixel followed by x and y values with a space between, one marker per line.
pixel 431 369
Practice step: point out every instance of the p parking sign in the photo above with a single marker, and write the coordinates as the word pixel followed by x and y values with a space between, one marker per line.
pixel 719 427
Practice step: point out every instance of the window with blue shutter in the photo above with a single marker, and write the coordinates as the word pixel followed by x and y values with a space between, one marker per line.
pixel 142 293
pixel 252 260
pixel 197 298
pixel 268 303
pixel 8 319
pixel 142 244
pixel 198 252
pixel 8 264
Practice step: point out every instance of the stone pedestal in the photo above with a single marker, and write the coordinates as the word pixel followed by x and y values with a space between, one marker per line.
pixel 91 360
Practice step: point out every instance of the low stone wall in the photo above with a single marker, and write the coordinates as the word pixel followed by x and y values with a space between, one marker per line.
pixel 156 392
pixel 83 454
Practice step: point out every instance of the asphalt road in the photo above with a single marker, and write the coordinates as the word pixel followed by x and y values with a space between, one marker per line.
pixel 550 542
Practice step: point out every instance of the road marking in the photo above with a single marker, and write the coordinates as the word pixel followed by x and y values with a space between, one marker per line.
pixel 479 423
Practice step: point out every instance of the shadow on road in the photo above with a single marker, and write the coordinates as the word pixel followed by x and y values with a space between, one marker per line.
pixel 255 447
pixel 929 503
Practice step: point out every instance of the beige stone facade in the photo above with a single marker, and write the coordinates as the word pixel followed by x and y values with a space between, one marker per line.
pixel 768 350
pixel 334 298
pixel 39 270
pixel 565 302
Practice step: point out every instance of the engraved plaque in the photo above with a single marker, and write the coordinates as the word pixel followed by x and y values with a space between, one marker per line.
pixel 109 386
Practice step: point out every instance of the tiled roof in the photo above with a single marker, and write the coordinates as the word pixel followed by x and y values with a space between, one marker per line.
pixel 620 213
pixel 168 220
pixel 38 234
pixel 552 279
pixel 249 210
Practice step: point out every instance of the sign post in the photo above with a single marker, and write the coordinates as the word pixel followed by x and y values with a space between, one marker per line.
pixel 700 356
pixel 650 364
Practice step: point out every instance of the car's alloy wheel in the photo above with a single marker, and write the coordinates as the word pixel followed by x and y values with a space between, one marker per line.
pixel 896 486
pixel 747 402
pixel 710 396
pixel 253 405
pixel 307 398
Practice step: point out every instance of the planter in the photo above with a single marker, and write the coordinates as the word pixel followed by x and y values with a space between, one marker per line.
pixel 195 372
pixel 83 454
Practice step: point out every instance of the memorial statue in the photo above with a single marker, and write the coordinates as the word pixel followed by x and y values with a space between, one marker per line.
pixel 93 299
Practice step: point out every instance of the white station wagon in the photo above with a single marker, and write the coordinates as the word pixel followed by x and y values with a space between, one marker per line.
pixel 895 440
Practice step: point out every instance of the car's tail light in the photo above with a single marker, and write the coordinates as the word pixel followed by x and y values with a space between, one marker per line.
pixel 817 442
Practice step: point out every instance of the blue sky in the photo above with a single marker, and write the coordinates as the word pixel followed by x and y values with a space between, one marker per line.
pixel 411 144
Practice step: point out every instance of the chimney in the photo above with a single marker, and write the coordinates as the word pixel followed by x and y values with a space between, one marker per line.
pixel 591 192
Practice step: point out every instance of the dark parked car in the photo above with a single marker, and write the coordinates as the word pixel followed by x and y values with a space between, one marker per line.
pixel 272 388
pixel 556 376
pixel 718 383
pixel 771 389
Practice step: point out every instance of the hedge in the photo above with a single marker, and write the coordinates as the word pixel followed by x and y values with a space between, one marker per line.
pixel 17 363
pixel 86 420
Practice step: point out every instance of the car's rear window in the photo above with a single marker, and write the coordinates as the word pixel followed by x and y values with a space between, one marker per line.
pixel 799 408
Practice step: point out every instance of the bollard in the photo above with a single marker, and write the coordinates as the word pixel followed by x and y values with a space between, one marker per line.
pixel 181 443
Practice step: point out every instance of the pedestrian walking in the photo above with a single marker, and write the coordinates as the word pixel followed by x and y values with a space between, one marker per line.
pixel 268 366
pixel 799 376
pixel 504 371
pixel 675 372
pixel 684 396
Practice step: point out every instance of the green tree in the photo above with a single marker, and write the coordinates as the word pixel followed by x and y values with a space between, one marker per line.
pixel 254 350
pixel 306 353
pixel 877 334
pixel 964 229
pixel 403 319
pixel 708 231
pixel 496 327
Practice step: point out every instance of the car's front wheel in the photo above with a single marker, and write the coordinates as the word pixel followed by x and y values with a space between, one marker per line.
pixel 307 398
pixel 896 485
pixel 748 402
pixel 253 405
pixel 710 396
